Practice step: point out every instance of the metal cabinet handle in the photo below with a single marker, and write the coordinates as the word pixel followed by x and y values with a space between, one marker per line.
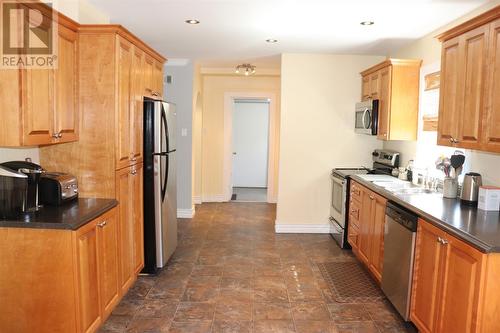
pixel 453 140
pixel 444 241
pixel 440 240
pixel 133 159
pixel 57 135
pixel 102 224
pixel 133 172
pixel 372 197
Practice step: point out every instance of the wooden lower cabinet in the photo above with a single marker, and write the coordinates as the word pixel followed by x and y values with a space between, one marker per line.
pixel 366 227
pixel 454 285
pixel 60 280
pixel 129 194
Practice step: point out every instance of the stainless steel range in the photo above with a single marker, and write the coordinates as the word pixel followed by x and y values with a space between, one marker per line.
pixel 383 163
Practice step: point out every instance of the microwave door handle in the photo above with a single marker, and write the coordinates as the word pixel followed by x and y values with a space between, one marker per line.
pixel 363 118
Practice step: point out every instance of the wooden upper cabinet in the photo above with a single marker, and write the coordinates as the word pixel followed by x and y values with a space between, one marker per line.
pixel 365 88
pixel 136 114
pixel 448 101
pixel 123 121
pixel 491 119
pixel 468 112
pixel 48 112
pixel 395 83
pixel 38 107
pixel 384 105
pixel 158 78
pixel 66 87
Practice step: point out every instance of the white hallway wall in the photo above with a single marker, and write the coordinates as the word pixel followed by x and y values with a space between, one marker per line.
pixel 250 143
pixel 318 94
pixel 82 12
pixel 180 92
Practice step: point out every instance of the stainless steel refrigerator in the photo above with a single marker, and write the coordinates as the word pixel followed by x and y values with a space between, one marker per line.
pixel 160 186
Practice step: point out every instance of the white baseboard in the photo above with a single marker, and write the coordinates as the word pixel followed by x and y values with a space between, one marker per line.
pixel 197 199
pixel 185 213
pixel 214 198
pixel 302 228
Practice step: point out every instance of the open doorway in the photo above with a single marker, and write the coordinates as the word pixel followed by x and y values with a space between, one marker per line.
pixel 250 142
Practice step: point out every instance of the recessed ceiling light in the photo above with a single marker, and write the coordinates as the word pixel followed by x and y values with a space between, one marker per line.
pixel 367 23
pixel 271 40
pixel 192 21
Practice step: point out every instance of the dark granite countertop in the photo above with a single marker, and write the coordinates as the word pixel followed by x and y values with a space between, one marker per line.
pixel 71 215
pixel 479 228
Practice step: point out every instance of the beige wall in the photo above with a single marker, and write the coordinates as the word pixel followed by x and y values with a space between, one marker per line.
pixel 215 87
pixel 318 94
pixel 428 49
pixel 196 130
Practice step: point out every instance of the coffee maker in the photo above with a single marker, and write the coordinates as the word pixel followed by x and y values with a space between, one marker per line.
pixel 32 173
pixel 13 190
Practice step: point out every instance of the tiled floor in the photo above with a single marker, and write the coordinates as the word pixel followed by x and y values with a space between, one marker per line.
pixel 232 273
pixel 250 194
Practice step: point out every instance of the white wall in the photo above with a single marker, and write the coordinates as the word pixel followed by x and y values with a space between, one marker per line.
pixel 250 143
pixel 318 93
pixel 428 49
pixel 180 92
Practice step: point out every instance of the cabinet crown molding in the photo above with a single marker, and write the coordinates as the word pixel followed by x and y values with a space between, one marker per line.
pixel 473 23
pixel 391 61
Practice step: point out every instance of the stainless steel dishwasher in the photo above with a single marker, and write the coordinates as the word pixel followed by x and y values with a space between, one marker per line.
pixel 399 247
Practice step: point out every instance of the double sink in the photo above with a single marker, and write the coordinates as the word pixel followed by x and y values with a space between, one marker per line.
pixel 395 185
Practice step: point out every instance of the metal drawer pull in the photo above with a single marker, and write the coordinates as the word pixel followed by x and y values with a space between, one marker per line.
pixel 133 172
pixel 102 224
pixel 372 197
pixel 444 241
pixel 440 240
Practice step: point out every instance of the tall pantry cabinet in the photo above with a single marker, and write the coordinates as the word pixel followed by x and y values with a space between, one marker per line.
pixel 116 71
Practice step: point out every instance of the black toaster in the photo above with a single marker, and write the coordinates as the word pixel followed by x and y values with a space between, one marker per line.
pixel 57 188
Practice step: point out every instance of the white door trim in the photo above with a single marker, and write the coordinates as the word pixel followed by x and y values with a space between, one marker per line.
pixel 229 98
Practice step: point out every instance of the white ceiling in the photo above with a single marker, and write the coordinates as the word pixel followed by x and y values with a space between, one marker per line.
pixel 232 31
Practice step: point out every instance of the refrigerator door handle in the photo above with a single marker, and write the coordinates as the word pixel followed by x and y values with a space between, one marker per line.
pixel 165 181
pixel 165 153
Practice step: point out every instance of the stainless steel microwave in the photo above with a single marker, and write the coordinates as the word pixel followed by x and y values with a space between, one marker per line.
pixel 366 117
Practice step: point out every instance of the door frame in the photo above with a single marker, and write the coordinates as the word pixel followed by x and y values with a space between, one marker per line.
pixel 229 98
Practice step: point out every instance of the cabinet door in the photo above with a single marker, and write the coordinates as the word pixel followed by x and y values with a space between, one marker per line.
pixel 124 195
pixel 137 189
pixel 107 233
pixel 66 94
pixel 148 75
pixel 38 106
pixel 365 226
pixel 376 258
pixel 137 93
pixel 491 120
pixel 375 85
pixel 473 61
pixel 123 143
pixel 353 237
pixel 158 78
pixel 384 105
pixel 426 277
pixel 449 106
pixel 88 279
pixel 460 287
pixel 365 88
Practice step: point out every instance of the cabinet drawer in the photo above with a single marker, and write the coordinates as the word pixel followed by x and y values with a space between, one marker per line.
pixel 355 191
pixel 354 212
pixel 352 235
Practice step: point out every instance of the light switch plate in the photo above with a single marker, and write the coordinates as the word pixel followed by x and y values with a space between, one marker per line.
pixel 184 132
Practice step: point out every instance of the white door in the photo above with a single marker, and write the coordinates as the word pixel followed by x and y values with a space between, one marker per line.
pixel 250 143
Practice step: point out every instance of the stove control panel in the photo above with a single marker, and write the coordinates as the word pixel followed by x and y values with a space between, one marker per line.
pixel 386 157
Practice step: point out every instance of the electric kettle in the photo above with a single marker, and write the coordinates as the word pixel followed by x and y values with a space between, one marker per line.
pixel 470 188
